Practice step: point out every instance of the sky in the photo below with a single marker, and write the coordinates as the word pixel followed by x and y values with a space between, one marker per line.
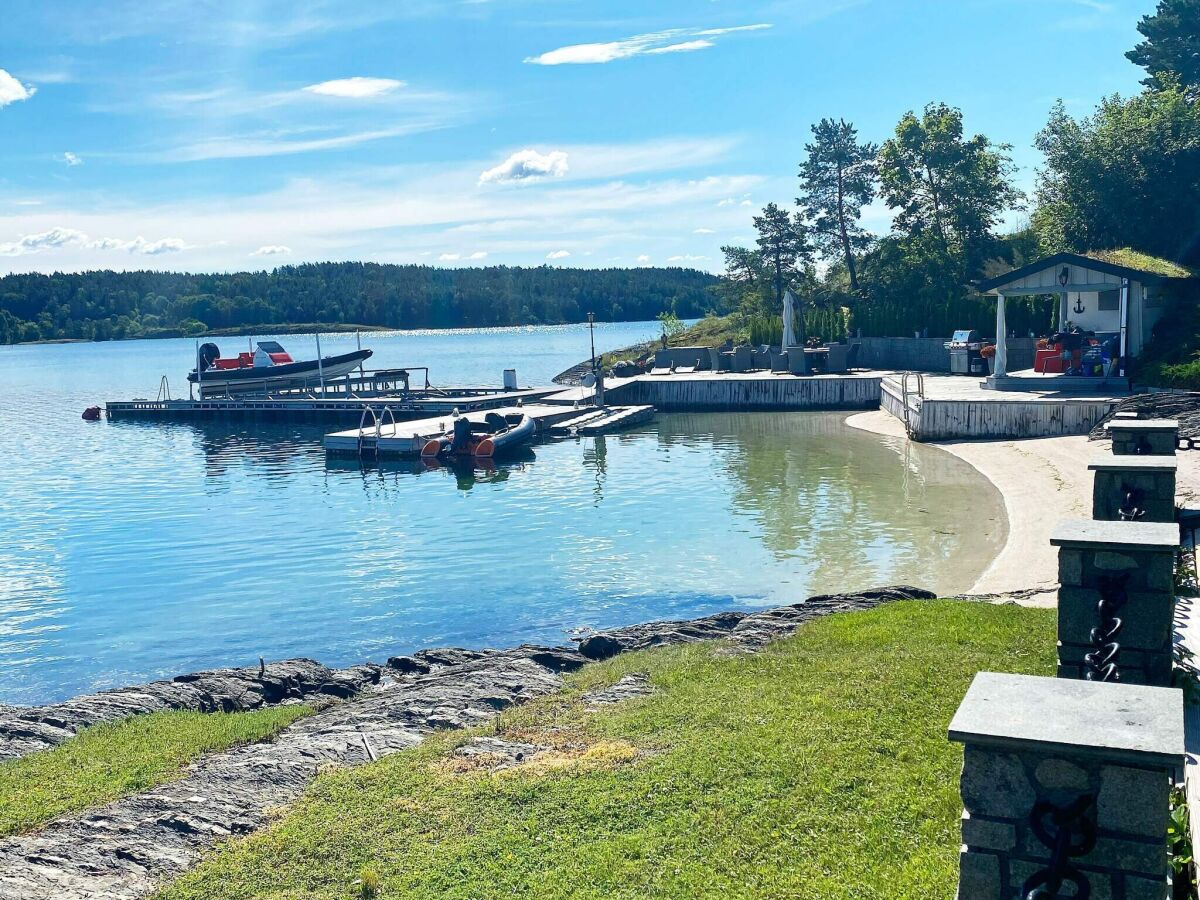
pixel 229 135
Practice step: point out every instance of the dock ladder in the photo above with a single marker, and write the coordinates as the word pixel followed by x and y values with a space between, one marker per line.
pixel 164 390
pixel 377 421
pixel 904 395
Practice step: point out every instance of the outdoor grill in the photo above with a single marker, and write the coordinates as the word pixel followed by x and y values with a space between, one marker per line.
pixel 965 358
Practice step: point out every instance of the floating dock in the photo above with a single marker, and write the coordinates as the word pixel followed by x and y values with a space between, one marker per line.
pixel 328 410
pixel 406 438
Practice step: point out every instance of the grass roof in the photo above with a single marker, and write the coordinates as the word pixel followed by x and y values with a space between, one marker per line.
pixel 1144 262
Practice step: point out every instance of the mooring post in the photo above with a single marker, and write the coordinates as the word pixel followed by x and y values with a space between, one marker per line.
pixel 1134 488
pixel 1066 787
pixel 1143 437
pixel 1116 600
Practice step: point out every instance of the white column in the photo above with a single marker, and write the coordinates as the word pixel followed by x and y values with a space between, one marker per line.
pixel 1001 367
pixel 1064 311
pixel 1124 304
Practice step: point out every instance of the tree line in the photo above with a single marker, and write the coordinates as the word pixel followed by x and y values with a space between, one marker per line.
pixel 1127 176
pixel 104 305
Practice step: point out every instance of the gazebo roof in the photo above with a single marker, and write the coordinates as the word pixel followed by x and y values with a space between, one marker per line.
pixel 1117 263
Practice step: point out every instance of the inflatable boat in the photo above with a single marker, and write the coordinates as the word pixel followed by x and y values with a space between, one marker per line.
pixel 496 436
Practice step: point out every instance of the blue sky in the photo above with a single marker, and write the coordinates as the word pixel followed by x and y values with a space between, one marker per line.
pixel 244 134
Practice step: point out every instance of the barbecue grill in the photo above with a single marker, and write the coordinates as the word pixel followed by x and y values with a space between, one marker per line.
pixel 965 358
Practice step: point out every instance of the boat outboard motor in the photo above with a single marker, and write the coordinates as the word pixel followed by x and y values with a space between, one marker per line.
pixel 495 421
pixel 209 354
pixel 462 434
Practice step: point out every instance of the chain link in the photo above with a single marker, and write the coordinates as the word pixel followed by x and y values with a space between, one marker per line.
pixel 1101 663
pixel 1067 831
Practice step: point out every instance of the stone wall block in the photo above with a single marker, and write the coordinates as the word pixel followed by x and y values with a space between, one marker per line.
pixel 995 784
pixel 988 834
pixel 979 876
pixel 1070 567
pixel 1128 802
pixel 1129 855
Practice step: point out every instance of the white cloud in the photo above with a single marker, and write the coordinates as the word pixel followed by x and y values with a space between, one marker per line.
pixel 356 88
pixel 478 254
pixel 686 257
pixel 672 40
pixel 155 248
pixel 246 146
pixel 703 231
pixel 683 47
pixel 455 257
pixel 12 90
pixel 57 238
pixel 449 257
pixel 643 258
pixel 558 254
pixel 72 159
pixel 525 165
pixel 46 240
pixel 272 250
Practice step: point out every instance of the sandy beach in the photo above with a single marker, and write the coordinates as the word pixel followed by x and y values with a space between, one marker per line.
pixel 1043 481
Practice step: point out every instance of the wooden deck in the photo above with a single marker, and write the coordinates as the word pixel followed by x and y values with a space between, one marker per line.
pixel 749 391
pixel 957 407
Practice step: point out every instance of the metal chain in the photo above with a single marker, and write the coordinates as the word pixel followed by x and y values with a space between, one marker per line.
pixel 1067 831
pixel 1102 661
pixel 1130 510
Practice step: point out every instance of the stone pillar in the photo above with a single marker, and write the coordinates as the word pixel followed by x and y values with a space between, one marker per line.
pixel 1148 437
pixel 1134 488
pixel 1130 566
pixel 1085 763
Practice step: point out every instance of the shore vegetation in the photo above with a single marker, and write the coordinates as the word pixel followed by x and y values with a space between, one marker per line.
pixel 816 768
pixel 115 759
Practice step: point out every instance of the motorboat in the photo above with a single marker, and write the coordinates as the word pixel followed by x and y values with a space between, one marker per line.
pixel 267 367
pixel 497 435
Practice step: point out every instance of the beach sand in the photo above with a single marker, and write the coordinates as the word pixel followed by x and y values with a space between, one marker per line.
pixel 1043 481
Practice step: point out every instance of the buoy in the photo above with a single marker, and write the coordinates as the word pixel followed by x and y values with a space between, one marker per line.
pixel 91 414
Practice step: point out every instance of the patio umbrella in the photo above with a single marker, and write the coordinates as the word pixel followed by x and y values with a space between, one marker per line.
pixel 789 315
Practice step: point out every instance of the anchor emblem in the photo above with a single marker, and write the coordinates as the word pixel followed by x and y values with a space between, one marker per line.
pixel 1079 307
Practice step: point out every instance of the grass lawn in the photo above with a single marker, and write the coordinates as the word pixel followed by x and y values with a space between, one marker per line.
pixel 112 760
pixel 818 768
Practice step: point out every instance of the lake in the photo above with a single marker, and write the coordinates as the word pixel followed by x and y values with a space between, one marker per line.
pixel 131 551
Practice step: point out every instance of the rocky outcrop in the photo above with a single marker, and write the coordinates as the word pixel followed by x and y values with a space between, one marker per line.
pixel 26 729
pixel 125 849
pixel 746 631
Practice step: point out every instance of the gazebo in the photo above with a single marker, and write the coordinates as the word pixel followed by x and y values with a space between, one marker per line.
pixel 1112 294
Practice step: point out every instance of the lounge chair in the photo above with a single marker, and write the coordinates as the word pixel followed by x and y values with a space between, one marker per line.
pixel 687 369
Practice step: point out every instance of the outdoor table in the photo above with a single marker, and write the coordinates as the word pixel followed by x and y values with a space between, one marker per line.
pixel 815 356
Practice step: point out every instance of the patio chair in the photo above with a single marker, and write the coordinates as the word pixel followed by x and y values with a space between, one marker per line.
pixel 743 359
pixel 852 357
pixel 779 362
pixel 837 359
pixel 797 363
pixel 762 357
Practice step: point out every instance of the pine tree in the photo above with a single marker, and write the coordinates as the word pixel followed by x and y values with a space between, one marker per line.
pixel 837 179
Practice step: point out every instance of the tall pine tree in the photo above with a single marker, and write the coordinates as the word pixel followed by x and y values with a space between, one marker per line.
pixel 837 179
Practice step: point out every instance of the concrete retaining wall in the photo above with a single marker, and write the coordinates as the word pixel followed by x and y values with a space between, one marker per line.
pixel 928 354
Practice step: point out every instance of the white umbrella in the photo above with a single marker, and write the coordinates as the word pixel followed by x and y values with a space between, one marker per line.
pixel 789 315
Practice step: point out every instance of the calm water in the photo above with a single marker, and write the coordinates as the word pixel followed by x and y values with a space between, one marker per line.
pixel 130 551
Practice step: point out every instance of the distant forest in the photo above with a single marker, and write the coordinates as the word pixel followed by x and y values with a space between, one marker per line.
pixel 107 305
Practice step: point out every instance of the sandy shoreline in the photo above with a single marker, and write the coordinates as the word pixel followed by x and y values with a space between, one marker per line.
pixel 1042 480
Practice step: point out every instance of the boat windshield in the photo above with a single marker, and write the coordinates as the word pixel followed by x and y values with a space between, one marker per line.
pixel 270 347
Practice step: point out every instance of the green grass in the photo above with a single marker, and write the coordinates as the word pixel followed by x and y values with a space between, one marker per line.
pixel 818 768
pixel 115 759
